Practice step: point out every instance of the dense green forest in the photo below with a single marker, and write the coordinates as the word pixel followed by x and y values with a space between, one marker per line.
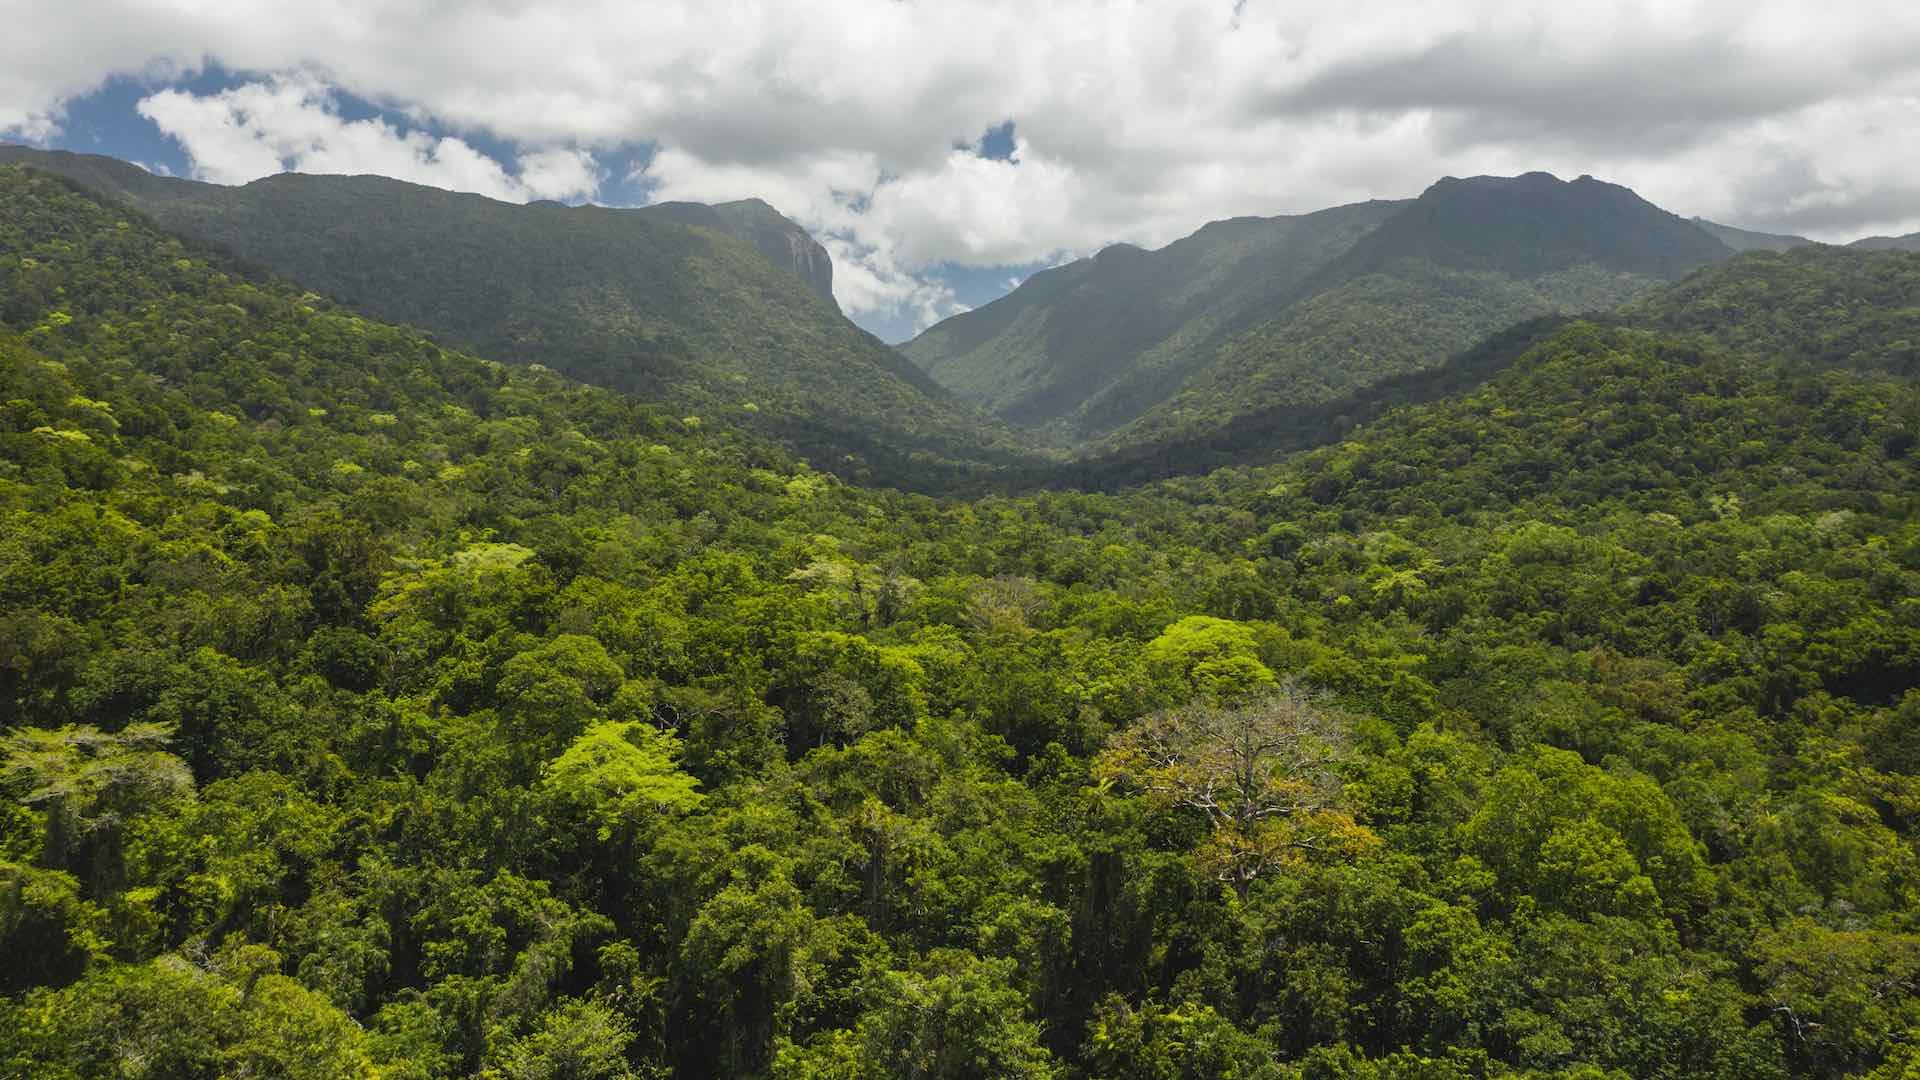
pixel 1351 338
pixel 377 710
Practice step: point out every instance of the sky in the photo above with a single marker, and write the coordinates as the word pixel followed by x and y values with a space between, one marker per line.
pixel 945 149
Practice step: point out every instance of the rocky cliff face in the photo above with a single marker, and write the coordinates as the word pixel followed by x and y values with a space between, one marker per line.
pixel 789 246
pixel 812 263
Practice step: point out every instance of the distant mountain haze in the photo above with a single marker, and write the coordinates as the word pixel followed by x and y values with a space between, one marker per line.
pixel 1909 242
pixel 1748 240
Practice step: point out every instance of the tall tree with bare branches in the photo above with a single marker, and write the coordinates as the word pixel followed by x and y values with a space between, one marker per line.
pixel 1262 770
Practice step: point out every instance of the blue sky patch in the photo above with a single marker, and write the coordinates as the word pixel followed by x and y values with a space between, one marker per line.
pixel 997 144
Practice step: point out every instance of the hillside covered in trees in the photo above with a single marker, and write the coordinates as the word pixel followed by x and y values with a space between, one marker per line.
pixel 1094 342
pixel 1820 304
pixel 1133 349
pixel 374 709
pixel 724 313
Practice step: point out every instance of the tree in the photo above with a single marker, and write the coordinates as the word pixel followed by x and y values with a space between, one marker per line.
pixel 1004 605
pixel 1214 658
pixel 577 1040
pixel 1572 837
pixel 48 933
pixel 232 1015
pixel 557 688
pixel 1842 999
pixel 1189 1041
pixel 957 1018
pixel 1263 773
pixel 749 952
pixel 839 686
pixel 620 770
pixel 92 783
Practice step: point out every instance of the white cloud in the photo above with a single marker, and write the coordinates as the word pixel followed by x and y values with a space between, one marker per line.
pixel 559 173
pixel 885 231
pixel 1138 120
pixel 260 128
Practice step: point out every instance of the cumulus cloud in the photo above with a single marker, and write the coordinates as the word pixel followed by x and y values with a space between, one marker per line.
pixel 885 231
pixel 1135 120
pixel 261 128
pixel 828 193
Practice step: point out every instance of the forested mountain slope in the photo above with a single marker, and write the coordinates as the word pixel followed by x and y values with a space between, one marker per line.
pixel 1382 289
pixel 1114 332
pixel 1909 242
pixel 694 318
pixel 1834 307
pixel 372 710
pixel 1821 305
pixel 752 220
pixel 1467 258
pixel 1748 240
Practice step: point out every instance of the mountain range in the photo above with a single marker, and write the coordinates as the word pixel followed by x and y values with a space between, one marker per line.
pixel 1133 351
pixel 1132 362
pixel 1909 242
pixel 722 312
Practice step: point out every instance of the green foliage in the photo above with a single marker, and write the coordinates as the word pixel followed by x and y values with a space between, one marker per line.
pixel 1836 307
pixel 672 303
pixel 620 771
pixel 956 1019
pixel 1847 998
pixel 1208 657
pixel 372 708
pixel 1571 837
pixel 1087 346
pixel 1154 351
pixel 579 1040
pixel 92 785
pixel 174 1018
pixel 48 929
pixel 1184 1042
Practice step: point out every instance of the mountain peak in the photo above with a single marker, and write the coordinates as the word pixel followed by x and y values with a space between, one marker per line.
pixel 756 221
pixel 1534 181
pixel 1131 344
pixel 1533 224
pixel 753 204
